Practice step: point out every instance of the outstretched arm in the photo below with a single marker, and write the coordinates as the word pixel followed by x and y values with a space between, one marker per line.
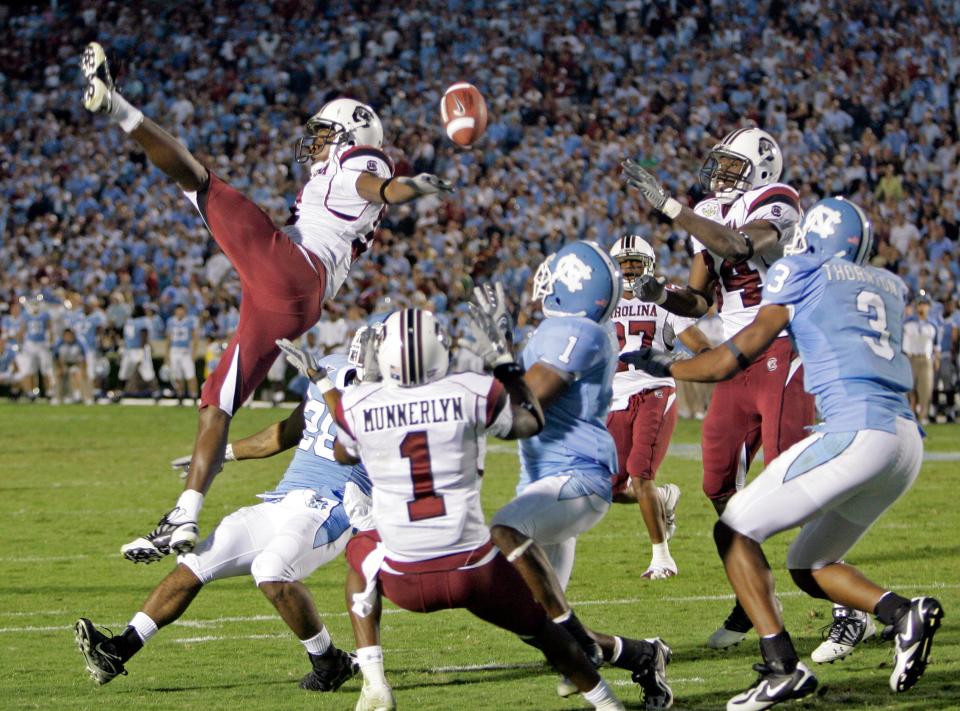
pixel 736 354
pixel 276 438
pixel 734 244
pixel 394 191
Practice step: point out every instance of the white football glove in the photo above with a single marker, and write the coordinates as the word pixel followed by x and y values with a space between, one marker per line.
pixel 651 189
pixel 427 184
pixel 492 301
pixel 300 358
pixel 181 465
pixel 488 341
pixel 363 353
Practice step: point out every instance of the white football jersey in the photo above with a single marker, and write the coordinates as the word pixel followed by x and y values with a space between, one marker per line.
pixel 739 285
pixel 330 218
pixel 420 447
pixel 640 324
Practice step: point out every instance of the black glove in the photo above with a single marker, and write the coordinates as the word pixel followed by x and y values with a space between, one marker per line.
pixel 650 361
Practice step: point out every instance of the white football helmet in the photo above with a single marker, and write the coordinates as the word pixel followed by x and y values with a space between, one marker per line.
pixel 414 348
pixel 746 159
pixel 635 256
pixel 349 122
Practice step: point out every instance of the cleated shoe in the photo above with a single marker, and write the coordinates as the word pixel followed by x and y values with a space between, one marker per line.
pixel 661 571
pixel 652 678
pixel 849 628
pixel 97 96
pixel 669 497
pixel 330 670
pixel 376 698
pixel 914 639
pixel 169 536
pixel 733 630
pixel 773 688
pixel 101 658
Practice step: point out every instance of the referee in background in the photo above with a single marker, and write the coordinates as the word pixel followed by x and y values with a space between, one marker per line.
pixel 921 343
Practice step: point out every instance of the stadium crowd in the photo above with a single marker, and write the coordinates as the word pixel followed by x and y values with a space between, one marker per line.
pixel 862 96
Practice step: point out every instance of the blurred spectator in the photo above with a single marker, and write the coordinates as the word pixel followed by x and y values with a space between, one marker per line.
pixel 921 344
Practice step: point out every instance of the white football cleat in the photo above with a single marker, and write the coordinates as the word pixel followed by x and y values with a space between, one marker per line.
pixel 170 535
pixel 849 628
pixel 661 570
pixel 669 497
pixel 914 639
pixel 99 92
pixel 376 698
pixel 566 688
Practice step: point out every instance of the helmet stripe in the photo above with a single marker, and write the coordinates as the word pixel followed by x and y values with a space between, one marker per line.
pixel 418 345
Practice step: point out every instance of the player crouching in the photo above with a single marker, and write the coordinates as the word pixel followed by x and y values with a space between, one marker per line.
pixel 417 432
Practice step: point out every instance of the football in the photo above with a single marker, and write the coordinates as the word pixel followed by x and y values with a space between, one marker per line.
pixel 464 113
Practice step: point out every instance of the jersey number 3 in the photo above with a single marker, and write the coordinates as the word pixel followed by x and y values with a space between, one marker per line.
pixel 426 503
pixel 869 302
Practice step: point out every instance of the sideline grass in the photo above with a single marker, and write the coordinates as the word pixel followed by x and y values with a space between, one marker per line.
pixel 77 482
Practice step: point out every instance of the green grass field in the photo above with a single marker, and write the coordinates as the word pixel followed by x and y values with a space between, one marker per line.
pixel 79 482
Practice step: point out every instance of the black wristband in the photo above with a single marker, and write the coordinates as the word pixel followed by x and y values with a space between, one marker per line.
pixel 746 238
pixel 508 370
pixel 742 360
pixel 383 192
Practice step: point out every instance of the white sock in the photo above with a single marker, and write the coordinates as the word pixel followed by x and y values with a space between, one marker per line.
pixel 190 503
pixel 144 626
pixel 600 695
pixel 319 643
pixel 370 660
pixel 123 113
pixel 661 552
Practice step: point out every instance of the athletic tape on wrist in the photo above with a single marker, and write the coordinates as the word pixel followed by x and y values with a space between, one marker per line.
pixel 324 385
pixel 228 455
pixel 671 208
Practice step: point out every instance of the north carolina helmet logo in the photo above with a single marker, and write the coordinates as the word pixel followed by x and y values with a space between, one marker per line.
pixel 571 272
pixel 822 221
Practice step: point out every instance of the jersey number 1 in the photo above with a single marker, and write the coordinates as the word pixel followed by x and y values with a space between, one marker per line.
pixel 426 503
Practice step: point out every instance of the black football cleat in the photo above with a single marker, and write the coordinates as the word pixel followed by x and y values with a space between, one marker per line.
pixel 103 661
pixel 914 638
pixel 330 670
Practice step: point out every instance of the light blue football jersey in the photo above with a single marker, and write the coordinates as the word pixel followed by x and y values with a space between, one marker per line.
pixel 86 328
pixel 132 328
pixel 575 437
pixel 180 331
pixel 36 331
pixel 313 465
pixel 847 324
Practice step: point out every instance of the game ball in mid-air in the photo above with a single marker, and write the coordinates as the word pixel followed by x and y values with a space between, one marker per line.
pixel 464 113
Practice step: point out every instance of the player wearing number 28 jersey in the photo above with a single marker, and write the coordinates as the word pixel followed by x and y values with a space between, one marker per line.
pixel 301 525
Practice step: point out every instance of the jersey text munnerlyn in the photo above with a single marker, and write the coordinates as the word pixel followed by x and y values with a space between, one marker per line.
pixel 851 272
pixel 648 310
pixel 419 412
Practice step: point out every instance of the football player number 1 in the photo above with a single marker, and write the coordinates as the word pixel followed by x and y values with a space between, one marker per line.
pixel 426 503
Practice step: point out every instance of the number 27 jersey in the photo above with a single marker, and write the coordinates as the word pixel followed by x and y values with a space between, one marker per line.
pixel 738 285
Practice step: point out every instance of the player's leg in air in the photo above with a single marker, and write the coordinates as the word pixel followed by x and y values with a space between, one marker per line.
pixel 272 542
pixel 282 296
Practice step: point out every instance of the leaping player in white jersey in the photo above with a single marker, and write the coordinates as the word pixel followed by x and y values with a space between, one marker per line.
pixel 285 273
pixel 643 411
pixel 738 231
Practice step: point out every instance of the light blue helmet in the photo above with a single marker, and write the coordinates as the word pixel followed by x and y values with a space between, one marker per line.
pixel 579 280
pixel 834 227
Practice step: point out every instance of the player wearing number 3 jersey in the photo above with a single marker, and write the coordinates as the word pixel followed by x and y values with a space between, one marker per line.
pixel 847 322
